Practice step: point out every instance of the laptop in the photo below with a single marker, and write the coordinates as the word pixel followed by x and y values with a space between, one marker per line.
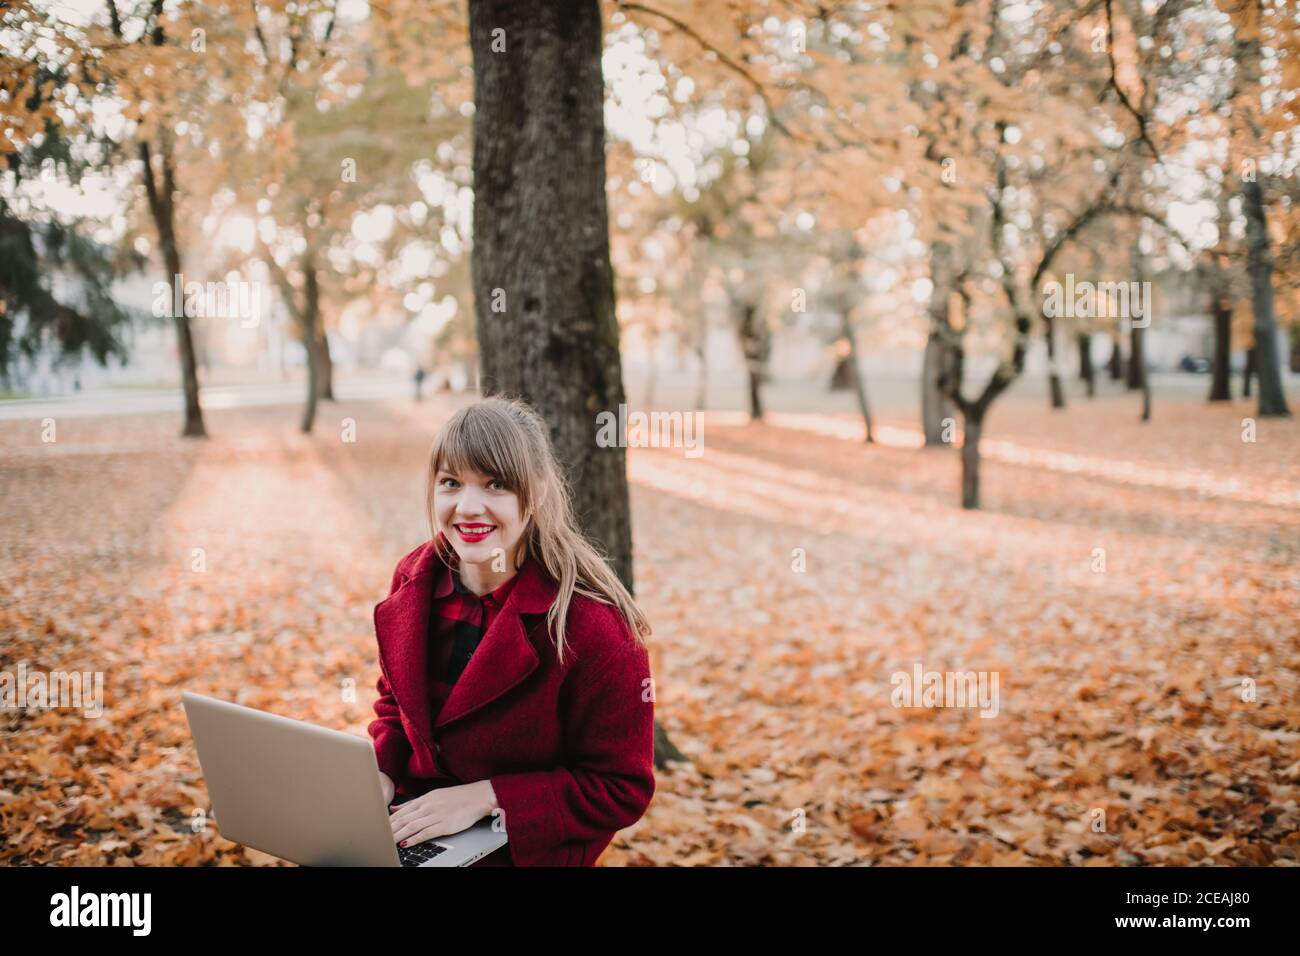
pixel 308 794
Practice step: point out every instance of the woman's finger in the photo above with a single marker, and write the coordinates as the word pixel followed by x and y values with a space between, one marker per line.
pixel 401 813
pixel 403 829
pixel 408 809
pixel 428 833
pixel 410 827
pixel 423 830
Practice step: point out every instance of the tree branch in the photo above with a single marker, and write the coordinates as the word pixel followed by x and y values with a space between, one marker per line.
pixel 1114 84
pixel 723 57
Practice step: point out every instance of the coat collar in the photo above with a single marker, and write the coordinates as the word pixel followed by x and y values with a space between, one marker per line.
pixel 504 657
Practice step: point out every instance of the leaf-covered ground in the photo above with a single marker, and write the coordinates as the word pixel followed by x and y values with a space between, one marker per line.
pixel 788 572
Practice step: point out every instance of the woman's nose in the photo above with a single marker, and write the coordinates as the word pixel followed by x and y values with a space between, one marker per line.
pixel 469 505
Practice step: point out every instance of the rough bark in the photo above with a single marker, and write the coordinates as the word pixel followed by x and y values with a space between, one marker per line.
pixel 541 242
pixel 541 237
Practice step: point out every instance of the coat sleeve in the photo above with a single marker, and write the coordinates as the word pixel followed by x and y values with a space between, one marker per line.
pixel 609 778
pixel 392 749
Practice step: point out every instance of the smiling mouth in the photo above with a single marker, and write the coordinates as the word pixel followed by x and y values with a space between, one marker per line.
pixel 474 530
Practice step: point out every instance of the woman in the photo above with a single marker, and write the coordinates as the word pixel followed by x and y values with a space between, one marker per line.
pixel 514 678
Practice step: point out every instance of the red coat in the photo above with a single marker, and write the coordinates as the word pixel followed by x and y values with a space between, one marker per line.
pixel 569 750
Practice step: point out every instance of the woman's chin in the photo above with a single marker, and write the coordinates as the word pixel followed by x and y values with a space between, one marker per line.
pixel 479 552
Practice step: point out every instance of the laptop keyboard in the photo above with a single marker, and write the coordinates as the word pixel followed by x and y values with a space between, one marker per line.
pixel 420 853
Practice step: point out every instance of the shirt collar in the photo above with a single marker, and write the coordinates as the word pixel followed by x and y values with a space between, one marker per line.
pixel 534 592
pixel 449 580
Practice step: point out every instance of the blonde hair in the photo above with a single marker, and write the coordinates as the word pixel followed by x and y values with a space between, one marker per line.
pixel 506 439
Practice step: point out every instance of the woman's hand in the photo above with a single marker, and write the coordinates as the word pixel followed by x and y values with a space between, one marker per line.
pixel 442 811
pixel 386 782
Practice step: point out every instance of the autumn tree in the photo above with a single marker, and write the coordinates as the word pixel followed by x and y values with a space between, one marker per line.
pixel 1050 162
pixel 40 245
pixel 1262 124
pixel 162 85
pixel 347 156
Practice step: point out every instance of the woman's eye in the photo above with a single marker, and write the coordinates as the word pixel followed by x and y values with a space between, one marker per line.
pixel 446 480
pixel 501 485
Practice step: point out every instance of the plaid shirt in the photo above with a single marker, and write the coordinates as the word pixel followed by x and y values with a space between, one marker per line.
pixel 457 622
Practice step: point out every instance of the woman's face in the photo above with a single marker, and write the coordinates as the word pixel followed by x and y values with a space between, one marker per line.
pixel 479 516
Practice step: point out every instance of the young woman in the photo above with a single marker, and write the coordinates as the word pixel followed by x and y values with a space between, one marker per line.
pixel 514 677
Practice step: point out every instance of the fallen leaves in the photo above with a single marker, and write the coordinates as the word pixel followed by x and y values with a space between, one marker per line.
pixel 1122 737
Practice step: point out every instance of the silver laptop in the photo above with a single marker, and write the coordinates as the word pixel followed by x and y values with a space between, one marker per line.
pixel 308 794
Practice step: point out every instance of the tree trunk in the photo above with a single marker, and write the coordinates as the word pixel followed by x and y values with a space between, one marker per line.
pixel 754 345
pixel 842 375
pixel 939 363
pixel 311 324
pixel 1115 364
pixel 1146 389
pixel 1136 359
pixel 859 380
pixel 935 405
pixel 1259 263
pixel 162 209
pixel 541 237
pixel 1248 373
pixel 1140 338
pixel 1221 384
pixel 1056 389
pixel 755 394
pixel 973 424
pixel 1086 370
pixel 1138 379
pixel 541 243
pixel 325 363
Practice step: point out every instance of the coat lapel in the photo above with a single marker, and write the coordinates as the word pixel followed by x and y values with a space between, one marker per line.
pixel 503 659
